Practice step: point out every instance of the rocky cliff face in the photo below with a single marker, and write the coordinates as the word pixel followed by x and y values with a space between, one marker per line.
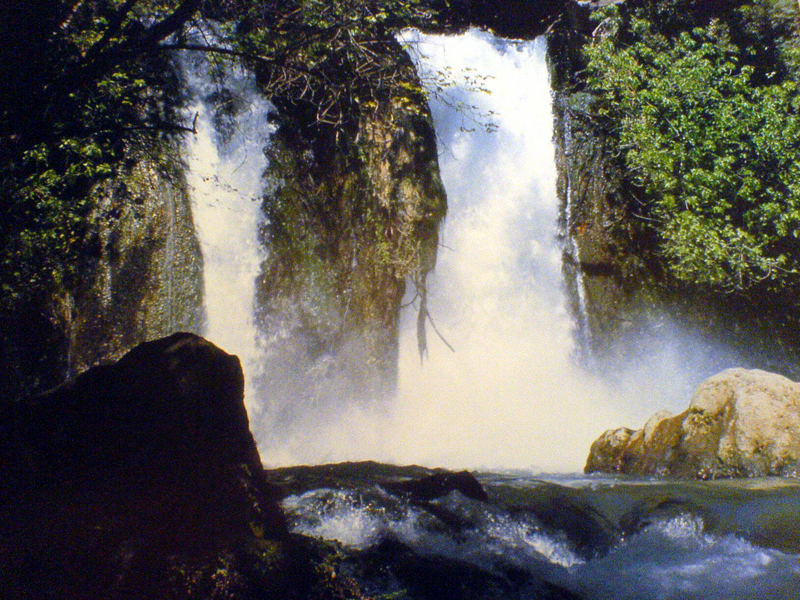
pixel 145 272
pixel 140 278
pixel 349 221
pixel 619 290
pixel 739 423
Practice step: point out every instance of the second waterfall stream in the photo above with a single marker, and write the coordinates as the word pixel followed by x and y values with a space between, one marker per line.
pixel 509 395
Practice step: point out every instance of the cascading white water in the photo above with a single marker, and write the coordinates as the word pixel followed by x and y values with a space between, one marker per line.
pixel 571 247
pixel 226 162
pixel 510 395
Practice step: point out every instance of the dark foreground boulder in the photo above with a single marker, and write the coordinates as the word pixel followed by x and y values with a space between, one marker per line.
pixel 740 423
pixel 141 480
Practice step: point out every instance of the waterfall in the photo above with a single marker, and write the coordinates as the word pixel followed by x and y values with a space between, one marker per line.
pixel 510 395
pixel 226 162
pixel 570 245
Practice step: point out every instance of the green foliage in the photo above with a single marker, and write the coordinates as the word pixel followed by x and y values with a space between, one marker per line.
pixel 710 134
pixel 101 88
pixel 86 94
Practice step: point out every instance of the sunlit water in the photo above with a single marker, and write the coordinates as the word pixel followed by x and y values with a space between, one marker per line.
pixel 226 162
pixel 715 544
pixel 510 395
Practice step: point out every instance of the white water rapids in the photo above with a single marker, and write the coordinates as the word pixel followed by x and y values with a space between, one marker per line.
pixel 671 557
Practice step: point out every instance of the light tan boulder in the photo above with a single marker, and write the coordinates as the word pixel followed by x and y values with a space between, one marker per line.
pixel 740 423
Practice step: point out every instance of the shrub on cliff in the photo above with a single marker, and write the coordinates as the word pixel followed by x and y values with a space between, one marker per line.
pixel 705 117
pixel 82 90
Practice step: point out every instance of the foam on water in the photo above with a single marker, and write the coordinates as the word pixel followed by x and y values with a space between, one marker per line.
pixel 676 559
pixel 357 519
pixel 362 520
pixel 671 558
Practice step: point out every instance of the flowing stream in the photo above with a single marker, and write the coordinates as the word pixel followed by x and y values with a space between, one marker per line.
pixel 591 538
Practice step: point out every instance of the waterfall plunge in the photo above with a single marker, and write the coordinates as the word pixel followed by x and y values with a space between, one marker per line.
pixel 510 395
pixel 226 162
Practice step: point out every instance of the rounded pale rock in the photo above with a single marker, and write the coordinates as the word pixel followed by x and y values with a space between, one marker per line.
pixel 740 423
pixel 751 416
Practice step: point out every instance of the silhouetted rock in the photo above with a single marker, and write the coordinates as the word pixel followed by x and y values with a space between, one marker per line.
pixel 362 474
pixel 740 423
pixel 136 480
pixel 438 485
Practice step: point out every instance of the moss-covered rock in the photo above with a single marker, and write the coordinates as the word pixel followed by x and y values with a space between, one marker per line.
pixel 349 221
pixel 140 277
pixel 145 264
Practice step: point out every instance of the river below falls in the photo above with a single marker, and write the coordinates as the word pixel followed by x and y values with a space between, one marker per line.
pixel 553 536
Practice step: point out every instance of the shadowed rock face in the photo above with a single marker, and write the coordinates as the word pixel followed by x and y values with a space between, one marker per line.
pixel 740 423
pixel 438 485
pixel 350 220
pixel 140 278
pixel 116 481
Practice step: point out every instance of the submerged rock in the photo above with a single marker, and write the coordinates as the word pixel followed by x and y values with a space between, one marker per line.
pixel 438 485
pixel 563 511
pixel 410 575
pixel 740 423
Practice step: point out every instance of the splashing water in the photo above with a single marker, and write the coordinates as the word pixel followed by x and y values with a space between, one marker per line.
pixel 226 163
pixel 671 557
pixel 675 559
pixel 362 520
pixel 510 394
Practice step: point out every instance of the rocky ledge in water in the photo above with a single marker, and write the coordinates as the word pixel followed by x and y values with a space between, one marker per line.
pixel 740 423
pixel 141 479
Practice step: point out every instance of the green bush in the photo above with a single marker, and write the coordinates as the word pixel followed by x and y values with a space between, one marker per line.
pixel 709 132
